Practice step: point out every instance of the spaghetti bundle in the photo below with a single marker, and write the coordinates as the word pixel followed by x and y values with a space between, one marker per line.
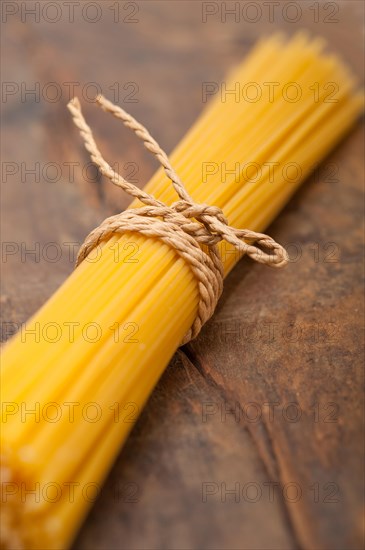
pixel 75 380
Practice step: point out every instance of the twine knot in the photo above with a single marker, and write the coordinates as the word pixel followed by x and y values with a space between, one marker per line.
pixel 184 226
pixel 198 211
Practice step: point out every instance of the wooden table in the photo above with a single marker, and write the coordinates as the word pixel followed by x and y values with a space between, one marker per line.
pixel 252 439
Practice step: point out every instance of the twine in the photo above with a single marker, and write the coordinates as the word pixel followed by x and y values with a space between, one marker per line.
pixel 184 226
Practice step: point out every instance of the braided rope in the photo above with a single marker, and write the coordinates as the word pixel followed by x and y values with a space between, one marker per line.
pixel 184 226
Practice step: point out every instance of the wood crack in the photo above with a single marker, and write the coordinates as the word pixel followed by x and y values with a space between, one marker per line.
pixel 262 441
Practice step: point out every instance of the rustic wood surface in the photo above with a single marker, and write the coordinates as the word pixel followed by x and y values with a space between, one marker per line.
pixel 268 400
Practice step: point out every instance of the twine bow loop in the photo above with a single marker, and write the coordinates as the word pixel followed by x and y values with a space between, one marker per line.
pixel 185 225
pixel 218 229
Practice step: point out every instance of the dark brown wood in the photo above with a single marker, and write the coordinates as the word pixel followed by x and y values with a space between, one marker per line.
pixel 268 400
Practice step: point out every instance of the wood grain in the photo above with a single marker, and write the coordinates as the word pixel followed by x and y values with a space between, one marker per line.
pixel 281 345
